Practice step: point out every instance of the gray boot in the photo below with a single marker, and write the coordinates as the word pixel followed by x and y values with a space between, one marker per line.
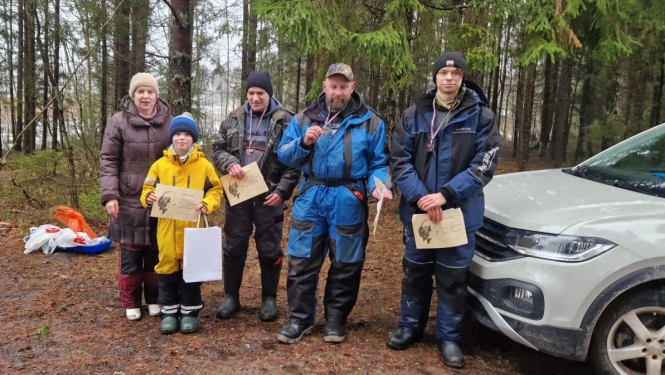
pixel 232 282
pixel 269 283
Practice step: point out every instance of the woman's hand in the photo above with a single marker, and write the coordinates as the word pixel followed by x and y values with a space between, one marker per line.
pixel 112 208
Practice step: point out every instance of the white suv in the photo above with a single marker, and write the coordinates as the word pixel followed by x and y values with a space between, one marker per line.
pixel 572 262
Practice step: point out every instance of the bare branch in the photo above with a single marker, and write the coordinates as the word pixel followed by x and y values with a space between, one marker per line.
pixel 173 11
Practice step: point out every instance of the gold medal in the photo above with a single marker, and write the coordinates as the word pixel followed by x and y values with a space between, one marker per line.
pixel 325 131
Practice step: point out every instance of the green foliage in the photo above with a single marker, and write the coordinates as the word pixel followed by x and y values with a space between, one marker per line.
pixel 42 164
pixel 607 132
pixel 44 330
pixel 35 184
pixel 90 205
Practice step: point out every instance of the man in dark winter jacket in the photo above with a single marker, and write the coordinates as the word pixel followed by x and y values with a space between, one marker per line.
pixel 443 152
pixel 250 134
pixel 339 143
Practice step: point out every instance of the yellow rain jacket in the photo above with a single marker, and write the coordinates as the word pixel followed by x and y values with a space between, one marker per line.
pixel 195 173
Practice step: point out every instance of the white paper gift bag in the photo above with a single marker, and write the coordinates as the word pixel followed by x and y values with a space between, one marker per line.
pixel 203 254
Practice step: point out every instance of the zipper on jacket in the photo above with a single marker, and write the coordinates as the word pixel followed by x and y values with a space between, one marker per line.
pixel 188 179
pixel 173 180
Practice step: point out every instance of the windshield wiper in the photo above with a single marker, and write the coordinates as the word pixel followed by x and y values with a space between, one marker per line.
pixel 577 171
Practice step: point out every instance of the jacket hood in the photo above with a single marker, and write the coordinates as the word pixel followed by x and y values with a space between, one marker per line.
pixel 195 155
pixel 356 107
pixel 274 106
pixel 474 94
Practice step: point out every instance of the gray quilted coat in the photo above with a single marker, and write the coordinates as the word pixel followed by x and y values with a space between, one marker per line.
pixel 130 146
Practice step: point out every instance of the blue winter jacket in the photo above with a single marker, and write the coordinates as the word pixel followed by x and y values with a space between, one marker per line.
pixel 328 158
pixel 464 160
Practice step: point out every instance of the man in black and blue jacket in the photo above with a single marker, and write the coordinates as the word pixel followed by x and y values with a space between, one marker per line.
pixel 443 152
pixel 251 134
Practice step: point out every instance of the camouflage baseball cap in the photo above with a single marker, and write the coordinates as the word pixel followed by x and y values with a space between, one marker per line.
pixel 341 68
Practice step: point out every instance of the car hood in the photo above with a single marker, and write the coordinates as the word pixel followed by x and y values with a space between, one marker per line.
pixel 551 201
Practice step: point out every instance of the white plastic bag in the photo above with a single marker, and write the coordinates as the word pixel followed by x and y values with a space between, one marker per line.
pixel 69 238
pixel 41 237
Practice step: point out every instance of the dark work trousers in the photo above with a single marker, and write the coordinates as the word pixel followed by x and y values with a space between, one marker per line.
pixel 342 286
pixel 178 297
pixel 137 275
pixel 239 222
pixel 449 267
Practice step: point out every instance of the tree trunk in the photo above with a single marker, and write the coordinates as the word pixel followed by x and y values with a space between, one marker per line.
pixel 549 102
pixel 30 89
pixel 561 113
pixel 527 116
pixel 103 79
pixel 503 80
pixel 180 61
pixel 249 23
pixel 18 139
pixel 375 86
pixel 10 70
pixel 56 115
pixel 0 131
pixel 657 97
pixel 310 73
pixel 586 110
pixel 497 74
pixel 298 74
pixel 519 109
pixel 140 16
pixel 121 50
pixel 45 123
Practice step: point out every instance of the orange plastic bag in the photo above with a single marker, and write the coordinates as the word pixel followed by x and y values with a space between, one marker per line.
pixel 73 220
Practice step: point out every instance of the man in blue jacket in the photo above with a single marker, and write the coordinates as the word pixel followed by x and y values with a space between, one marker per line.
pixel 340 145
pixel 443 152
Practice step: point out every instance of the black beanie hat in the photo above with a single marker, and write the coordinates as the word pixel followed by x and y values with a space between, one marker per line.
pixel 184 123
pixel 452 58
pixel 260 80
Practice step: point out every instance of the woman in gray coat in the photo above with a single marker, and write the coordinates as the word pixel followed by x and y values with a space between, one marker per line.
pixel 134 139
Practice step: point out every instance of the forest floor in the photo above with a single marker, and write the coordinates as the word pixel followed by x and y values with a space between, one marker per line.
pixel 61 315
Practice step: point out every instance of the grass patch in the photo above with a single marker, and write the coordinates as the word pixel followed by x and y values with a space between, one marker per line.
pixel 44 330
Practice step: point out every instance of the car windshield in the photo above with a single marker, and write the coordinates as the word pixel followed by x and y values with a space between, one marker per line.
pixel 637 164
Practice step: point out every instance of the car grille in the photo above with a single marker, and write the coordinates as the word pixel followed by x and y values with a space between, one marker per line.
pixel 491 244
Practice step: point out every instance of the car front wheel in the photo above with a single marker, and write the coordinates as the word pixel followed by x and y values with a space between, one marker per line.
pixel 629 338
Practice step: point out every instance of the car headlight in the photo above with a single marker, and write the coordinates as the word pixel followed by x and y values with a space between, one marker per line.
pixel 556 247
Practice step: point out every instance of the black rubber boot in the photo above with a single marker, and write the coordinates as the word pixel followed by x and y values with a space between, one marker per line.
pixel 451 354
pixel 269 283
pixel 232 281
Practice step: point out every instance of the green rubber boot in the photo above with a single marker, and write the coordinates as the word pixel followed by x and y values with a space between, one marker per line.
pixel 188 324
pixel 269 283
pixel 169 325
pixel 232 281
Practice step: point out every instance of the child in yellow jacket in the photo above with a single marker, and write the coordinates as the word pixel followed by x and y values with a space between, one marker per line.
pixel 183 165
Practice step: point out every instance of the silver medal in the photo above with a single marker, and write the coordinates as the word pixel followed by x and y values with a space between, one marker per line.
pixel 249 151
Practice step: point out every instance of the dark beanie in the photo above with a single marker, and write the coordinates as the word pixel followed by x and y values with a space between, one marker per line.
pixel 452 58
pixel 260 80
pixel 184 123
